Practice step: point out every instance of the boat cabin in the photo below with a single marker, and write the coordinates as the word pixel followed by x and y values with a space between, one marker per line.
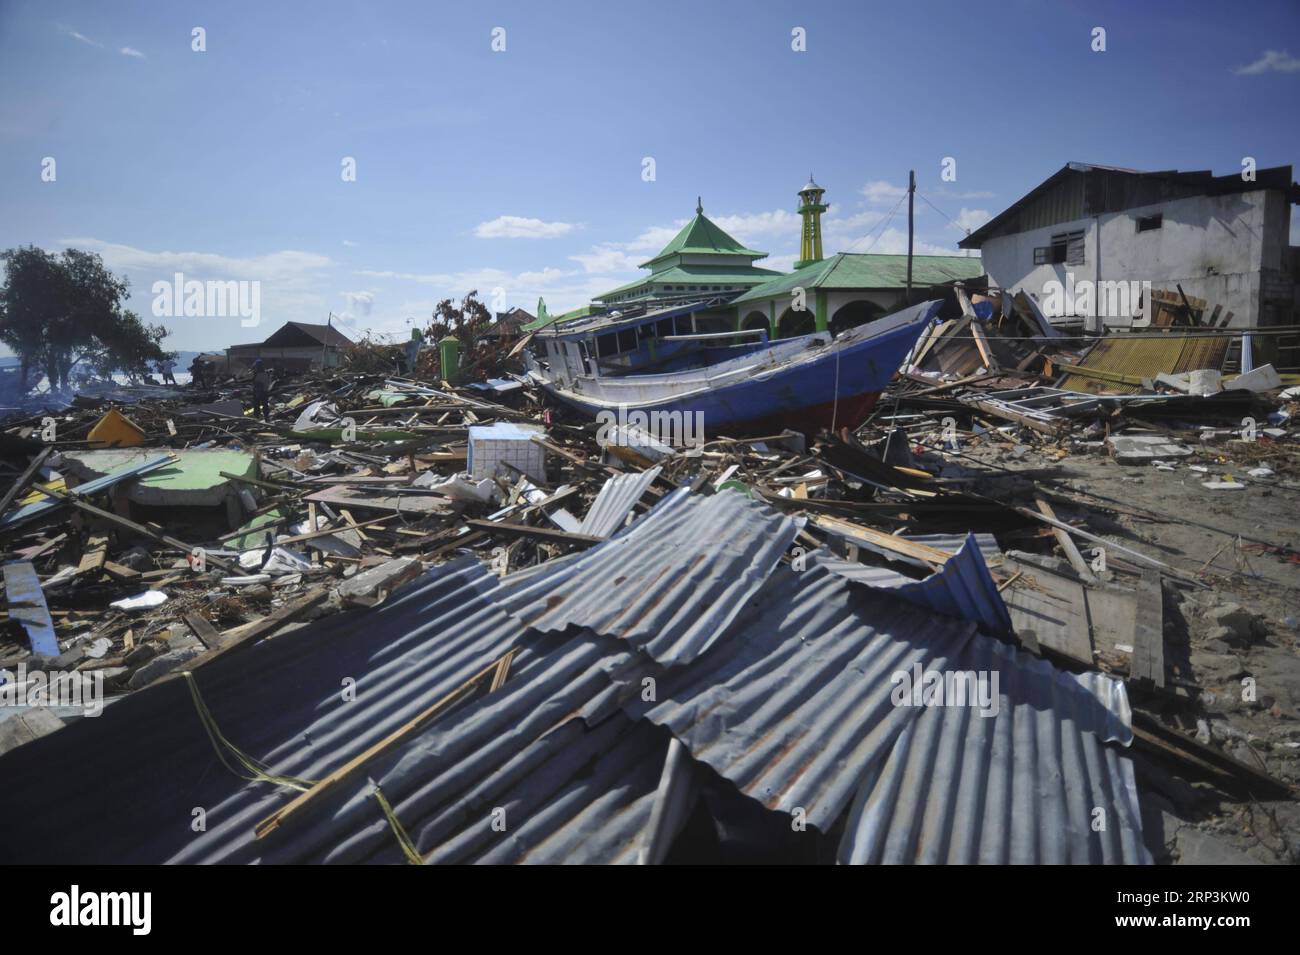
pixel 650 341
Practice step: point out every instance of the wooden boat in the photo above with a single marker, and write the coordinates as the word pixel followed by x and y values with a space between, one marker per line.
pixel 658 361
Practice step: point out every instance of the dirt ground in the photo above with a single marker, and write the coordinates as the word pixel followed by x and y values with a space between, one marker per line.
pixel 1232 649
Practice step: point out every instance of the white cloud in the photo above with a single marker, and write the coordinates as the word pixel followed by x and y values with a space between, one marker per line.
pixel 359 304
pixel 652 239
pixel 562 288
pixel 751 228
pixel 969 220
pixel 604 259
pixel 350 244
pixel 290 284
pixel 518 227
pixel 881 192
pixel 276 266
pixel 1272 61
pixel 893 241
pixel 779 263
pixel 80 36
pixel 131 51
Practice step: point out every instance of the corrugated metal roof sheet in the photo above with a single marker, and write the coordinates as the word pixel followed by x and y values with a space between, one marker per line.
pixel 1035 783
pixel 962 587
pixel 796 711
pixel 670 584
pixel 615 500
pixel 850 270
pixel 1135 357
pixel 790 700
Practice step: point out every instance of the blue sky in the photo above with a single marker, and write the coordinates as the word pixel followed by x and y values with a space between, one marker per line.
pixel 522 170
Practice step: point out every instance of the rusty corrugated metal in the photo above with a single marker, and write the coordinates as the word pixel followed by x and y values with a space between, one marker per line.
pixel 794 712
pixel 1138 358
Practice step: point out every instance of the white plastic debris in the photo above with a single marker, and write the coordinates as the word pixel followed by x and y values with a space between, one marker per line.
pixel 1228 485
pixel 281 561
pixel 144 601
pixel 459 487
pixel 317 415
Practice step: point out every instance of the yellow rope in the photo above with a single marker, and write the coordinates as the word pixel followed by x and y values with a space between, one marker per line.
pixel 258 772
pixel 403 840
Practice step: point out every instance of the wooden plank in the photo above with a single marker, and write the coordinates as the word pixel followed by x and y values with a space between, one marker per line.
pixel 982 344
pixel 421 501
pixel 119 572
pixel 527 530
pixel 1150 735
pixel 251 634
pixel 24 479
pixel 95 556
pixel 497 669
pixel 1067 545
pixel 1049 610
pixel 923 552
pixel 131 525
pixel 1148 661
pixel 31 553
pixel 207 634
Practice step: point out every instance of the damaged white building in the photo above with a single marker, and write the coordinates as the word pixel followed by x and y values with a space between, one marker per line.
pixel 1090 239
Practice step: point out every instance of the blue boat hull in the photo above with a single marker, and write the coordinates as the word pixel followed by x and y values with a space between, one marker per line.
pixel 836 388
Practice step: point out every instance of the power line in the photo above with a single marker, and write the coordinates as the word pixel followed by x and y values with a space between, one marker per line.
pixel 885 222
pixel 942 213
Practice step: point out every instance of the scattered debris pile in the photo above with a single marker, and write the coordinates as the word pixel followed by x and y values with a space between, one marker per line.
pixel 402 620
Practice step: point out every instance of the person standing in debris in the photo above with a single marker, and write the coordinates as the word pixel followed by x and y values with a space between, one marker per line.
pixel 261 390
pixel 413 351
pixel 167 370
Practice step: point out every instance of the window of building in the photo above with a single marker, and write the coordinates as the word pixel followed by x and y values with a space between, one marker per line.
pixel 1147 223
pixel 1066 248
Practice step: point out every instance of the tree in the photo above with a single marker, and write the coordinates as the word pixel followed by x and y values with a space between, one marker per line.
pixel 61 311
pixel 468 322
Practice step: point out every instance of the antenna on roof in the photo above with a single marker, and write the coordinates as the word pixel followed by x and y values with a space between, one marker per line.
pixel 699 206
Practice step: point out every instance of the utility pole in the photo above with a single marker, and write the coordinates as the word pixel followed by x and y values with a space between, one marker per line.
pixel 911 198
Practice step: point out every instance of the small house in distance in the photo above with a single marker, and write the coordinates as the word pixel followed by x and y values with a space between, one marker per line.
pixel 296 347
pixel 508 325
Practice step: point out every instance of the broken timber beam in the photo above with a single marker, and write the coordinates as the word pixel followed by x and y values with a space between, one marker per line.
pixel 23 479
pixel 541 533
pixel 1067 545
pixel 497 670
